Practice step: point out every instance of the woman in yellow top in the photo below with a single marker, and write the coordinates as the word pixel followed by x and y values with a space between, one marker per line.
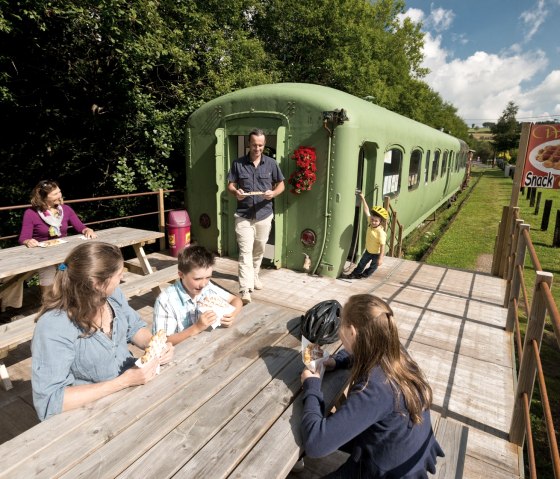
pixel 375 241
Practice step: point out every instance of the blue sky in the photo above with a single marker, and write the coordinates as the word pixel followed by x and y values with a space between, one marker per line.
pixel 484 53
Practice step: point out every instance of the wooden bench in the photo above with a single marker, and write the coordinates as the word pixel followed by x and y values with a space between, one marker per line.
pixel 21 330
pixel 149 282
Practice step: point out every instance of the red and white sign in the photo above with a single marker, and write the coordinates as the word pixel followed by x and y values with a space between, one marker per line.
pixel 542 162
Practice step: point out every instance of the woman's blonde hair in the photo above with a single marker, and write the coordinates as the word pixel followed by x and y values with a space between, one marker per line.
pixel 40 192
pixel 80 282
pixel 377 344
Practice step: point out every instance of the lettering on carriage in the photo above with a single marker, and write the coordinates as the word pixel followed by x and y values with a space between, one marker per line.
pixel 538 181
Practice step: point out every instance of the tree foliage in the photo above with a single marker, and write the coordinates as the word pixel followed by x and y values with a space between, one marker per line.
pixel 507 130
pixel 96 93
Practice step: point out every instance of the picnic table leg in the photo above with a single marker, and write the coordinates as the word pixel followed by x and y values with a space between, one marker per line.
pixel 145 264
pixel 142 258
pixel 5 377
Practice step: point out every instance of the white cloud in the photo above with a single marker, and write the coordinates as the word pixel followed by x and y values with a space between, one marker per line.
pixel 440 19
pixel 534 18
pixel 481 85
pixel 415 14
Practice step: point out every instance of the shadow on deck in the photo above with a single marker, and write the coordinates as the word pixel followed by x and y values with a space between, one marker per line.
pixel 452 322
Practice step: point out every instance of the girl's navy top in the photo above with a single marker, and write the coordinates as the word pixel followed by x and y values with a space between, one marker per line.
pixel 372 426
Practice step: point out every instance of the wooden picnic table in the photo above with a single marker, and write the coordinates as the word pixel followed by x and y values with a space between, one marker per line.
pixel 21 259
pixel 229 405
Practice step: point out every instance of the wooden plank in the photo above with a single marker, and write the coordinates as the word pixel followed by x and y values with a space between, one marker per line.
pixel 211 419
pixel 5 377
pixel 186 399
pixel 487 451
pixel 21 259
pixel 276 451
pixel 144 284
pixel 16 416
pixel 17 332
pixel 58 429
pixel 222 454
pixel 452 436
pixel 126 425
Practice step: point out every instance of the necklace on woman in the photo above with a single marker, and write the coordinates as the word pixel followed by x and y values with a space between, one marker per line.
pixel 107 316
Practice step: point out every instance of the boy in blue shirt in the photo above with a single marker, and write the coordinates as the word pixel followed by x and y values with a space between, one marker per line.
pixel 178 310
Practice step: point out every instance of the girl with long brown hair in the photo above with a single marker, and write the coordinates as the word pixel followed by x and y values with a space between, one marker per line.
pixel 385 422
pixel 80 345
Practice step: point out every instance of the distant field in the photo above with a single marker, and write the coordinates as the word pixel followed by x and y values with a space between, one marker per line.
pixel 474 229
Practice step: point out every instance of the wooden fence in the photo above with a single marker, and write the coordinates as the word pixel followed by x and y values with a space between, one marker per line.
pixel 159 210
pixel 512 246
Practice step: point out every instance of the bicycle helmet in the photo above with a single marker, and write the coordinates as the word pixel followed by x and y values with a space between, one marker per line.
pixel 320 324
pixel 380 211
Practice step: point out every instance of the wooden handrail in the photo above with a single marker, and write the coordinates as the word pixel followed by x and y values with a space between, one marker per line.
pixel 547 412
pixel 160 211
pixel 530 366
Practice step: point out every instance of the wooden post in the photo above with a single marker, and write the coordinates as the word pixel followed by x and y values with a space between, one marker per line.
pixel 508 235
pixel 512 261
pixel 499 243
pixel 537 206
pixel 516 280
pixel 528 193
pixel 546 215
pixel 528 367
pixel 532 198
pixel 5 377
pixel 556 237
pixel 520 163
pixel 161 218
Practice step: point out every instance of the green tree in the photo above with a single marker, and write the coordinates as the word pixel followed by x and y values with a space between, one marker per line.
pixel 507 130
pixel 96 93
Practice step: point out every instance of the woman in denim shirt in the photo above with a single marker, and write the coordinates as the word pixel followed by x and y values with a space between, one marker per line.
pixel 80 346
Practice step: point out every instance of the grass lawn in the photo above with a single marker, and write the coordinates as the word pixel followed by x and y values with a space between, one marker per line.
pixel 472 234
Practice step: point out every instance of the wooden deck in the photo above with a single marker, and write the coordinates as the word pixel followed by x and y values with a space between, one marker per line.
pixel 451 321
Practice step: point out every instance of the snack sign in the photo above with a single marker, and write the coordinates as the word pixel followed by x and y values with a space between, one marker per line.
pixel 542 162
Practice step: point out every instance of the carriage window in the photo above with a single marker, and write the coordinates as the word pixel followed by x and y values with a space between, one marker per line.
pixel 435 165
pixel 392 172
pixel 414 171
pixel 427 166
pixel 444 163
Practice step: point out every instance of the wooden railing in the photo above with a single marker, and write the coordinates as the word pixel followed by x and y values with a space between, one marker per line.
pixel 160 210
pixel 516 241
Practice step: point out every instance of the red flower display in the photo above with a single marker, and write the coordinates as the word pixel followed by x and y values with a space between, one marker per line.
pixel 303 178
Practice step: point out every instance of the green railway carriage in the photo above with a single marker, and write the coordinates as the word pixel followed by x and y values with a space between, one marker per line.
pixel 357 145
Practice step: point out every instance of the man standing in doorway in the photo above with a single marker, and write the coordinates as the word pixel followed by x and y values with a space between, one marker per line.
pixel 254 179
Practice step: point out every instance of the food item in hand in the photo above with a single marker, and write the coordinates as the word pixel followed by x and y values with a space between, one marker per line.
pixel 213 302
pixel 312 352
pixel 155 348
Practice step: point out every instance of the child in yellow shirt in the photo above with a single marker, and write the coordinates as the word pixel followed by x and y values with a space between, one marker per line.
pixel 375 241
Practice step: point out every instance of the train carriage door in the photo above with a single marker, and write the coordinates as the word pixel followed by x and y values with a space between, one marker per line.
pixel 365 182
pixel 235 143
pixel 224 216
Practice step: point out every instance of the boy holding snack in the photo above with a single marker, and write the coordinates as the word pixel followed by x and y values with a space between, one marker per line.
pixel 193 303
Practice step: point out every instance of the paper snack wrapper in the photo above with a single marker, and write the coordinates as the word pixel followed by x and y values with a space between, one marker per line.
pixel 318 357
pixel 155 349
pixel 52 242
pixel 217 304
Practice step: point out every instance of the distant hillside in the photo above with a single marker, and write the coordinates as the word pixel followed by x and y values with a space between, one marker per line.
pixel 481 134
